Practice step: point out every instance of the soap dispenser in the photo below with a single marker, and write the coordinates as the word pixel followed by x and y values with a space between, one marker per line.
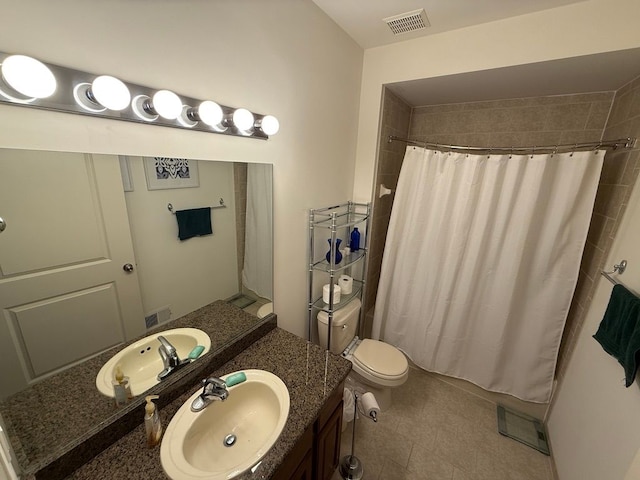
pixel 121 388
pixel 124 381
pixel 152 424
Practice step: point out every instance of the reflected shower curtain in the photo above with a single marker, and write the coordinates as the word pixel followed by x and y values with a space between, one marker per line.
pixel 481 262
pixel 257 270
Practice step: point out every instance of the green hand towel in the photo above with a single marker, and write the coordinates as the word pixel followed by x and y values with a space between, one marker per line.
pixel 194 222
pixel 619 331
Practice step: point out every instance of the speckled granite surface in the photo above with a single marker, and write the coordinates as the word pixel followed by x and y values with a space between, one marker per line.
pixel 278 352
pixel 59 423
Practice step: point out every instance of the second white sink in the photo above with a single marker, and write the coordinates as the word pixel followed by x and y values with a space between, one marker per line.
pixel 141 361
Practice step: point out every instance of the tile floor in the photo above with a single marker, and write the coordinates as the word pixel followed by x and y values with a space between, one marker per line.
pixel 435 431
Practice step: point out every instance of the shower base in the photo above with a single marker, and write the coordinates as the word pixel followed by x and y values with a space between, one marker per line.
pixel 527 430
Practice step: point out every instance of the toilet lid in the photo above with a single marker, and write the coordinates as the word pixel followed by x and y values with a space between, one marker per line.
pixel 380 358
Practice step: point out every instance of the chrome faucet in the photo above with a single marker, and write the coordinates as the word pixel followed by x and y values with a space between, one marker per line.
pixel 214 389
pixel 170 358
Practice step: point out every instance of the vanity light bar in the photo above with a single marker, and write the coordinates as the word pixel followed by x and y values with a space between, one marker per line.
pixel 28 82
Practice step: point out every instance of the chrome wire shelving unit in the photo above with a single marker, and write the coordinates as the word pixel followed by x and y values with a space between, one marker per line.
pixel 332 223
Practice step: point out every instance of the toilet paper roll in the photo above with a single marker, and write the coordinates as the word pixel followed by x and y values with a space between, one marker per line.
pixel 336 293
pixel 370 405
pixel 346 284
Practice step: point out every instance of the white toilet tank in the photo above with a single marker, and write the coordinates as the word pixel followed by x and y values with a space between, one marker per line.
pixel 343 326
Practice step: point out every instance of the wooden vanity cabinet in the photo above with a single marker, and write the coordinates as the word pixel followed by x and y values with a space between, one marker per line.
pixel 328 446
pixel 317 454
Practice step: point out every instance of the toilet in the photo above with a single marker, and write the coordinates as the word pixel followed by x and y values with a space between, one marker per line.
pixel 377 366
pixel 265 310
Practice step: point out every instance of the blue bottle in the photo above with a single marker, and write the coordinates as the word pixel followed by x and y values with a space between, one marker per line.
pixel 355 240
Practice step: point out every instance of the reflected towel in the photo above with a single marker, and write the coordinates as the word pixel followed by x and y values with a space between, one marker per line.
pixel 194 222
pixel 619 331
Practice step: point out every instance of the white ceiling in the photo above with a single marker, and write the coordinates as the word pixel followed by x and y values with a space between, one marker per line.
pixel 362 19
pixel 589 73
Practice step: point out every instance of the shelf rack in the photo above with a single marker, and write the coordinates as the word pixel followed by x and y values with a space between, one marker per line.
pixel 338 218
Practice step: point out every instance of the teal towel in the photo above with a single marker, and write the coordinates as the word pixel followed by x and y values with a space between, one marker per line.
pixel 194 222
pixel 619 331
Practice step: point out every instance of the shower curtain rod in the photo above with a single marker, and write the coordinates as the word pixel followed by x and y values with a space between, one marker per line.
pixel 564 148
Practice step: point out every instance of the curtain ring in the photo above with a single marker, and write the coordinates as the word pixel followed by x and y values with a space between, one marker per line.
pixel 511 154
pixel 575 147
pixel 533 151
pixel 555 150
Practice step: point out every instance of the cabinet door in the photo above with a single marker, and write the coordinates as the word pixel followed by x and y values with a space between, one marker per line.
pixel 328 445
pixel 305 469
pixel 298 465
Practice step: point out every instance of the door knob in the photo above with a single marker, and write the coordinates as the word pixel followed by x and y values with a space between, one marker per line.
pixel 127 267
pixel 3 224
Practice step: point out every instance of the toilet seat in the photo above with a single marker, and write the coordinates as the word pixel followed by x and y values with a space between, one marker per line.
pixel 379 362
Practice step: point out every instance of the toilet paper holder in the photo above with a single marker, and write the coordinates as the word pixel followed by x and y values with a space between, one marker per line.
pixel 350 465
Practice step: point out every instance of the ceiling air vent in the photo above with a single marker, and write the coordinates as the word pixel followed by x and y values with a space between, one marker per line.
pixel 408 22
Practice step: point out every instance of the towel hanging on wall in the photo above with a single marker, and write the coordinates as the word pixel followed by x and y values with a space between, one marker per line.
pixel 194 222
pixel 619 331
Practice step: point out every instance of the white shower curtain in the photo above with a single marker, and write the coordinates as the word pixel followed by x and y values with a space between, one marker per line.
pixel 481 262
pixel 257 271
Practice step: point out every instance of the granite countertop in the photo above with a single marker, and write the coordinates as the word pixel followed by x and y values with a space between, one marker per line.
pixel 279 352
pixel 58 415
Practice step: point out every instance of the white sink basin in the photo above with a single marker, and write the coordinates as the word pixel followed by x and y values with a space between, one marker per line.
pixel 194 444
pixel 142 363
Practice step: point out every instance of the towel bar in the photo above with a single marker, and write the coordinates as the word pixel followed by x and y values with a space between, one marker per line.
pixel 618 268
pixel 220 205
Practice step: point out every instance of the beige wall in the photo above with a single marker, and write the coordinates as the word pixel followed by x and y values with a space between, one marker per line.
pixel 583 28
pixel 283 57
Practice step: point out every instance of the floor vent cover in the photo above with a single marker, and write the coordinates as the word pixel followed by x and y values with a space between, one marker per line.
pixel 523 428
pixel 408 22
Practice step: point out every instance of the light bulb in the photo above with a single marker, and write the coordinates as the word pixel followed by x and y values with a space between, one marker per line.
pixel 110 92
pixel 210 113
pixel 167 104
pixel 28 76
pixel 243 119
pixel 269 125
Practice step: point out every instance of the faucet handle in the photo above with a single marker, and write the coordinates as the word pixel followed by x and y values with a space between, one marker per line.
pixel 171 350
pixel 214 382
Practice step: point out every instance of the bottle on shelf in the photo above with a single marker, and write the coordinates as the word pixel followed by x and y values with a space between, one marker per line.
pixel 355 240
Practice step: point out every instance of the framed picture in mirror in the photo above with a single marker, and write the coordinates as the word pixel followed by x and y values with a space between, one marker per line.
pixel 165 172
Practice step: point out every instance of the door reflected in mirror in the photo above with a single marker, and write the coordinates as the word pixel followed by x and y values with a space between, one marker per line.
pixel 91 256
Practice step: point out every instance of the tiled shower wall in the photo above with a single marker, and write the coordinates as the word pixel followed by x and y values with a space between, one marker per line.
pixel 396 115
pixel 526 121
pixel 619 174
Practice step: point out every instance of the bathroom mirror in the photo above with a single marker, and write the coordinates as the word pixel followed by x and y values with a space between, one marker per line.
pixel 69 214
pixel 65 211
